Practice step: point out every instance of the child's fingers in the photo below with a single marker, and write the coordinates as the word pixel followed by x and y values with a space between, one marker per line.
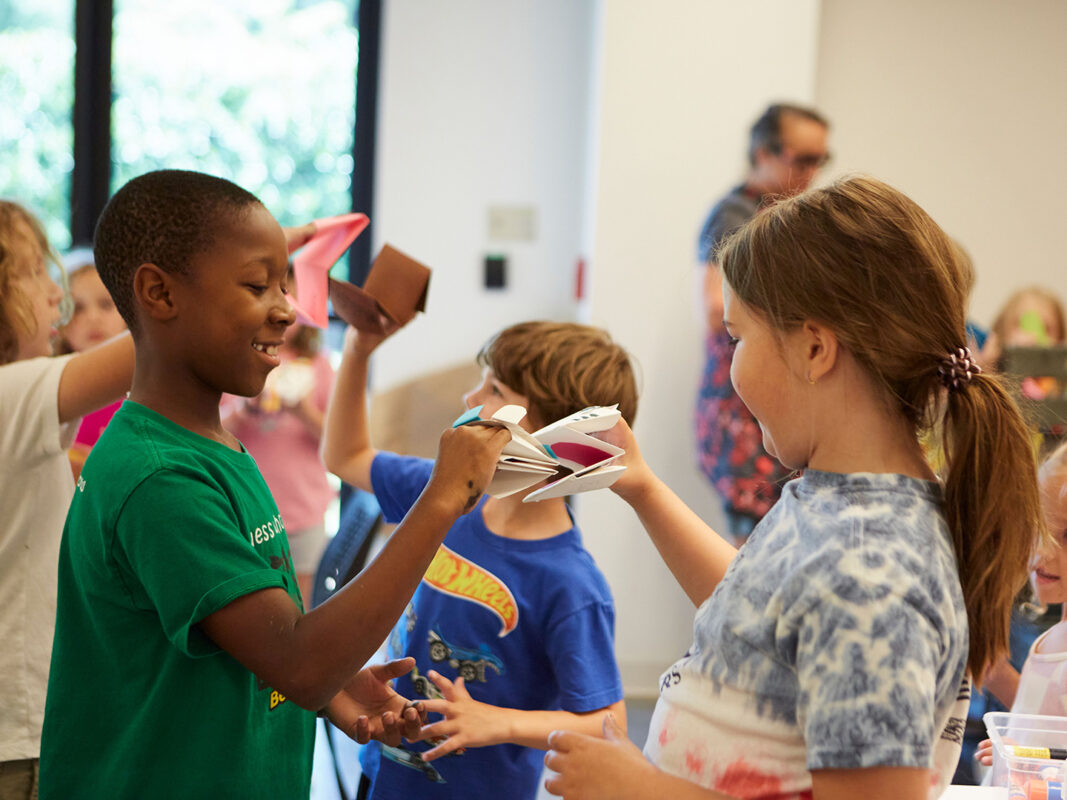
pixel 443 684
pixel 443 749
pixel 444 727
pixel 393 669
pixel 560 741
pixel 362 730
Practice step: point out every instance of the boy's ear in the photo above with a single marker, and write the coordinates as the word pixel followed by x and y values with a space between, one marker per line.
pixel 820 350
pixel 152 291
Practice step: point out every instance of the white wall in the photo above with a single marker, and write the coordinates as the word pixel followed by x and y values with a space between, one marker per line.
pixel 681 82
pixel 480 103
pixel 963 105
pixel 620 121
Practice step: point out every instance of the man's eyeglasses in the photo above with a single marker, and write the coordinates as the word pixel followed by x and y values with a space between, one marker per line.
pixel 807 160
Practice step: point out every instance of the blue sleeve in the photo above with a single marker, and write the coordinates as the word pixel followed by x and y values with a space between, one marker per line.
pixel 397 482
pixel 581 649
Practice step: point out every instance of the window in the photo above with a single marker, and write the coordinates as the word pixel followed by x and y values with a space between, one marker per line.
pixel 262 92
pixel 37 95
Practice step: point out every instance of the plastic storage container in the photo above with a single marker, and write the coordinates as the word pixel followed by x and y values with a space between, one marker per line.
pixel 1025 772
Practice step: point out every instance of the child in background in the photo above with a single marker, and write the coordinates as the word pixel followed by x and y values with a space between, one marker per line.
pixel 183 664
pixel 1042 685
pixel 1031 317
pixel 281 428
pixel 42 400
pixel 93 321
pixel 513 607
pixel 832 652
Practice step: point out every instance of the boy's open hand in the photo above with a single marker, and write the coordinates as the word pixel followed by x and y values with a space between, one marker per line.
pixel 369 708
pixel 597 769
pixel 466 461
pixel 467 722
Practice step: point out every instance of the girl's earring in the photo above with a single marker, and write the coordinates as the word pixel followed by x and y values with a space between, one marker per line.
pixel 811 380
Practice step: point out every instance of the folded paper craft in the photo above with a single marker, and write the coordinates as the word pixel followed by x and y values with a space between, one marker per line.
pixel 395 290
pixel 311 264
pixel 563 453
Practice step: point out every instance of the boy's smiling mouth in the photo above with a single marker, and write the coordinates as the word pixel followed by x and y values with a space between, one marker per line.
pixel 268 349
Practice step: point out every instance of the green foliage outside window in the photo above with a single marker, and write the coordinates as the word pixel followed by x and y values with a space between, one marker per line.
pixel 258 91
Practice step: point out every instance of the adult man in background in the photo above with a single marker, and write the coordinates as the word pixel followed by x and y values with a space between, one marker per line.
pixel 787 147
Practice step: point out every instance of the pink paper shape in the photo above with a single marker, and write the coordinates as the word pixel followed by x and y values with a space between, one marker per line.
pixel 311 265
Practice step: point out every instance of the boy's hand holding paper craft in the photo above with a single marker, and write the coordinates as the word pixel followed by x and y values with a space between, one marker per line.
pixel 563 453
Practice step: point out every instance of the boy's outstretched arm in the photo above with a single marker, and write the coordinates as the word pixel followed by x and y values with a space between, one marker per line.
pixel 469 723
pixel 310 657
pixel 346 444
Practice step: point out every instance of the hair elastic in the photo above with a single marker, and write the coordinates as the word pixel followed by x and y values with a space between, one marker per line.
pixel 959 365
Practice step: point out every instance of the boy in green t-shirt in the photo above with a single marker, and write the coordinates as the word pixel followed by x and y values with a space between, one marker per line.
pixel 183 664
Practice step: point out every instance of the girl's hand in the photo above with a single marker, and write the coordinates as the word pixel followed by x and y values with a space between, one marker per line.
pixel 369 708
pixel 588 768
pixel 638 474
pixel 984 754
pixel 467 722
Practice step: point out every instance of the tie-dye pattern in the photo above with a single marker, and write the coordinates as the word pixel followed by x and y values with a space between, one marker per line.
pixel 837 639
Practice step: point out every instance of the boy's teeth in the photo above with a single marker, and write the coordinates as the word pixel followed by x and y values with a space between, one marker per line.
pixel 269 349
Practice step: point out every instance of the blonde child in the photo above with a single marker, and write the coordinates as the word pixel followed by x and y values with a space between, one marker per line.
pixel 94 320
pixel 41 402
pixel 1030 317
pixel 282 429
pixel 831 653
pixel 1042 687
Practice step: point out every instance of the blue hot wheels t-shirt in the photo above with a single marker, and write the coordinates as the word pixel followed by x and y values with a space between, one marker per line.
pixel 528 624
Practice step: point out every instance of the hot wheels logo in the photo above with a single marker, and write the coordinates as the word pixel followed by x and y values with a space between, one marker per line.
pixel 453 574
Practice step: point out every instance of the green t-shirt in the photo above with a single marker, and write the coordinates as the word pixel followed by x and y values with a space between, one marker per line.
pixel 166 527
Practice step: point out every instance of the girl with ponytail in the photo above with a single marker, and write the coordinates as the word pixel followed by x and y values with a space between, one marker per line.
pixel 833 653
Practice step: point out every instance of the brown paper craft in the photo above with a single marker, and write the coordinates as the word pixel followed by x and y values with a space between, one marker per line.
pixel 396 288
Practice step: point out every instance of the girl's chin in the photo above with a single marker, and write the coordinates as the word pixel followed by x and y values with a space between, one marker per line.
pixel 1049 595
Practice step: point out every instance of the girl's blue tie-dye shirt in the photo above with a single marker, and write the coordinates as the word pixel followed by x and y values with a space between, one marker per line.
pixel 836 639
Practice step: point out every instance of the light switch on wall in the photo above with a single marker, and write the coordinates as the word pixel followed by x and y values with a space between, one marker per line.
pixel 512 223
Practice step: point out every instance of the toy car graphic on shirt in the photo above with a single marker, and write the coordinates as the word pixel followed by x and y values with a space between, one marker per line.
pixel 470 664
pixel 412 760
pixel 424 686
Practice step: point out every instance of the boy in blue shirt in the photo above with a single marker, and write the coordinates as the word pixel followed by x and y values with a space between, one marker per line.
pixel 183 664
pixel 512 627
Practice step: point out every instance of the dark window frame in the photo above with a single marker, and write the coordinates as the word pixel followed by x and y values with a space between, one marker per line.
pixel 91 117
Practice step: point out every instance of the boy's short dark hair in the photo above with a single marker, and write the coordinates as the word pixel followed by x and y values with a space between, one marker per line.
pixel 562 367
pixel 164 218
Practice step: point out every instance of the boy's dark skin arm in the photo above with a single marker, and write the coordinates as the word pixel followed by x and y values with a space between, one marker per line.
pixel 311 657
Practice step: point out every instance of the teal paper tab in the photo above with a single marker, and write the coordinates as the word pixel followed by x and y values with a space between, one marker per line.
pixel 468 416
